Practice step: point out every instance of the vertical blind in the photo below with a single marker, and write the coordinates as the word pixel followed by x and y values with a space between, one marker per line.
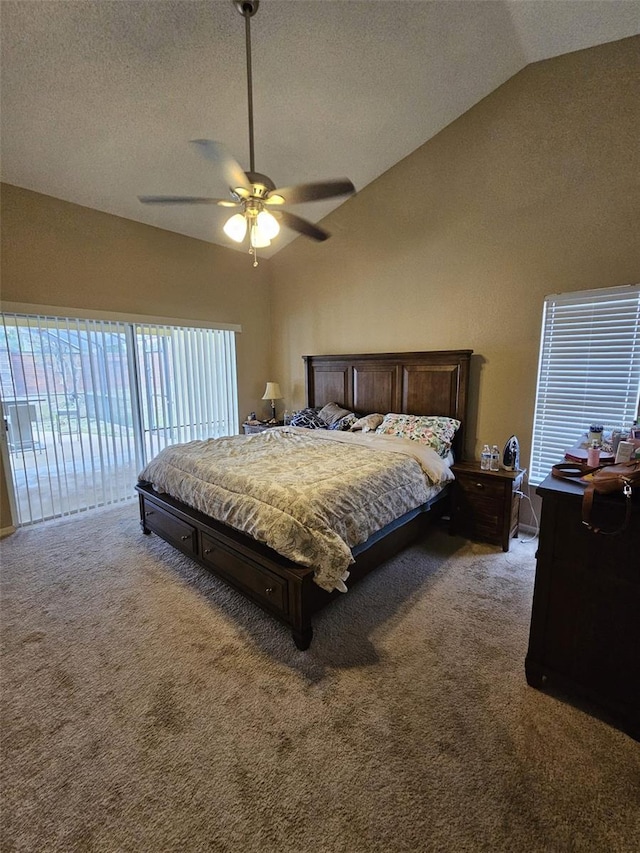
pixel 588 372
pixel 188 387
pixel 87 402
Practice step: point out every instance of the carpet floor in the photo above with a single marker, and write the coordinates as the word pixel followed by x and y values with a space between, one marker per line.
pixel 148 707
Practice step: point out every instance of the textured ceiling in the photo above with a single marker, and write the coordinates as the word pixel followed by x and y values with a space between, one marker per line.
pixel 99 99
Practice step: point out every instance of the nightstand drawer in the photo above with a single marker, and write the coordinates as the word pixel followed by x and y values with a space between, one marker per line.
pixel 480 515
pixel 256 581
pixel 481 489
pixel 487 520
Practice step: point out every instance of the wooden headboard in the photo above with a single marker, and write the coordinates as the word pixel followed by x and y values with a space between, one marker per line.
pixel 413 383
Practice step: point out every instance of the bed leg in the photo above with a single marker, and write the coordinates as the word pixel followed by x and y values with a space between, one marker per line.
pixel 302 638
pixel 144 527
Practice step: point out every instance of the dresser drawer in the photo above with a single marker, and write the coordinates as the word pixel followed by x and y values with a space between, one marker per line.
pixel 179 533
pixel 262 584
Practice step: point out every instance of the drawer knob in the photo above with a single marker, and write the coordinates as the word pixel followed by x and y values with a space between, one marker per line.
pixel 149 512
pixel 269 590
pixel 185 537
pixel 479 485
pixel 207 550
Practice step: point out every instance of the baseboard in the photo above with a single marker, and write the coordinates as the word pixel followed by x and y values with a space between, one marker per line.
pixel 7 531
pixel 527 528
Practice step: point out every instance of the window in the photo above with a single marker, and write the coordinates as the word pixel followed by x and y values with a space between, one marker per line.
pixel 589 370
pixel 87 402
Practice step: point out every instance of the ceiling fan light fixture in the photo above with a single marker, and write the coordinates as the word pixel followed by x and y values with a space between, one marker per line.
pixel 268 224
pixel 258 238
pixel 252 191
pixel 236 227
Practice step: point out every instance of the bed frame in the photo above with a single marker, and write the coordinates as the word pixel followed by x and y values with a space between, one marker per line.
pixel 419 383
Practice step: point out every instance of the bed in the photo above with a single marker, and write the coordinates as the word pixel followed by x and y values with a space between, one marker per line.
pixel 419 383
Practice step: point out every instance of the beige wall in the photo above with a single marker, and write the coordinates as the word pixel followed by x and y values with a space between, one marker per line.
pixel 534 191
pixel 60 254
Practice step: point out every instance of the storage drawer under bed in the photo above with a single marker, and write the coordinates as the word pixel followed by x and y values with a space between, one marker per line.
pixel 260 583
pixel 179 533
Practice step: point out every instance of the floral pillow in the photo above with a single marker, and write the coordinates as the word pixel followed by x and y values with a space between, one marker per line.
pixel 436 432
pixel 308 418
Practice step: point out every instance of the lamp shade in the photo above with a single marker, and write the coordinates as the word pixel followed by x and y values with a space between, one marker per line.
pixel 268 224
pixel 272 392
pixel 258 239
pixel 236 227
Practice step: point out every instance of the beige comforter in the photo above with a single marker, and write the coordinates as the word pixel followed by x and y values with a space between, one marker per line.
pixel 309 495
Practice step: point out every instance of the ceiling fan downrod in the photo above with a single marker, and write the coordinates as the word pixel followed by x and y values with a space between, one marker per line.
pixel 247 9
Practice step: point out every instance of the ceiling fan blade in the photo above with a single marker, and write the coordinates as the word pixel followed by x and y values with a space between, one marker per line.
pixel 232 171
pixel 311 192
pixel 302 226
pixel 184 199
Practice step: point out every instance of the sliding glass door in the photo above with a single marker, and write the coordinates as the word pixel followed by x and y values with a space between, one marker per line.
pixel 87 402
pixel 187 384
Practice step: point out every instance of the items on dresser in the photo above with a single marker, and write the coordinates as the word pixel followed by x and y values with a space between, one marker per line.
pixel 581 454
pixel 485 504
pixel 624 451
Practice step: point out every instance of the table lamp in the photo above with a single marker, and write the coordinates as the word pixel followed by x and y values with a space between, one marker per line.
pixel 272 392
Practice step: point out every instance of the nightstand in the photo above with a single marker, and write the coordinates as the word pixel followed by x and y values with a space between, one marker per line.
pixel 485 505
pixel 251 429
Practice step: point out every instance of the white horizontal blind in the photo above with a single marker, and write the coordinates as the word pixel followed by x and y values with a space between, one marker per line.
pixel 588 372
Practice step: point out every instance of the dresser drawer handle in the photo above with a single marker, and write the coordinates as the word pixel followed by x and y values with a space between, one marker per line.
pixel 185 537
pixel 479 485
pixel 269 590
pixel 149 512
pixel 208 550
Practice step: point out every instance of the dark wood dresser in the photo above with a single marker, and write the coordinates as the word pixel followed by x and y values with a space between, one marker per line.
pixel 585 620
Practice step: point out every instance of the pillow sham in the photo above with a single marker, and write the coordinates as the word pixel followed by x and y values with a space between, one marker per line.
pixel 309 419
pixel 344 423
pixel 436 432
pixel 332 413
pixel 367 423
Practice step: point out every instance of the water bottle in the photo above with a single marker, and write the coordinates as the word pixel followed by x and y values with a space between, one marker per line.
pixel 495 459
pixel 287 417
pixel 485 458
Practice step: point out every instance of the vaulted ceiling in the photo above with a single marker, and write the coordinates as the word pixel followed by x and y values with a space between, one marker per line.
pixel 100 97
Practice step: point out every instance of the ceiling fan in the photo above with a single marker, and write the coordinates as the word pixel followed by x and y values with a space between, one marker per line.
pixel 253 193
